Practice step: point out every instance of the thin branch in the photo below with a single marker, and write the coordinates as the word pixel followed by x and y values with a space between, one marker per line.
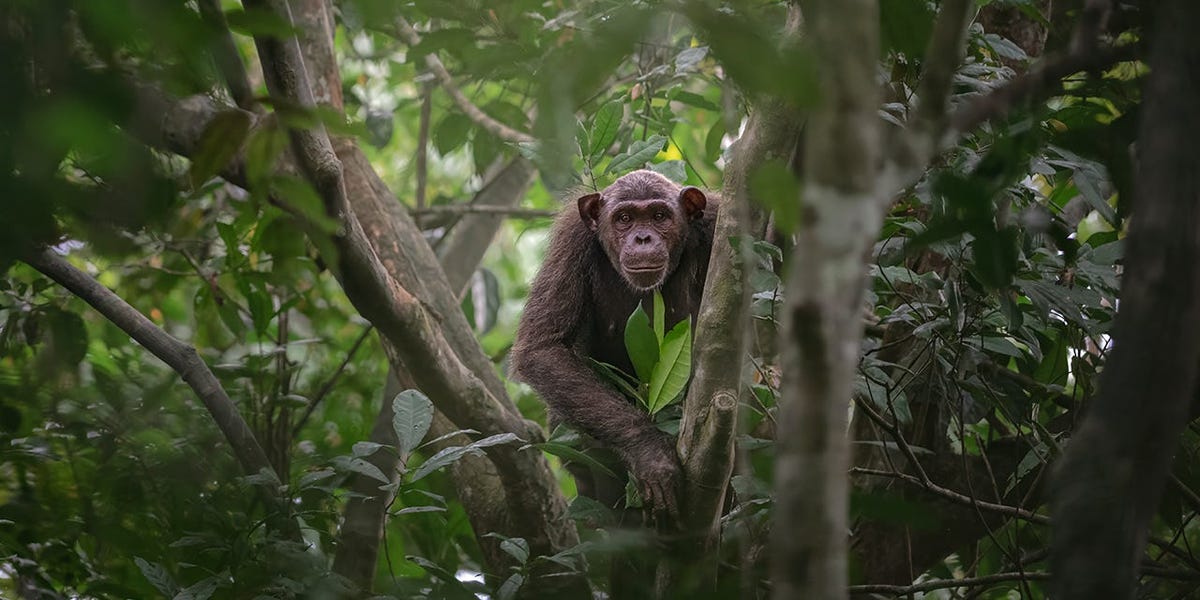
pixel 423 145
pixel 956 497
pixel 943 584
pixel 329 383
pixel 403 320
pixel 181 357
pixel 1038 83
pixel 945 52
pixel 482 119
pixel 923 480
pixel 513 212
pixel 225 53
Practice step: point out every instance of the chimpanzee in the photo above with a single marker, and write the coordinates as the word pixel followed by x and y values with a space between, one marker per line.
pixel 640 234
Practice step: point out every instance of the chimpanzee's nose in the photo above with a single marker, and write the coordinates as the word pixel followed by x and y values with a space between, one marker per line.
pixel 641 239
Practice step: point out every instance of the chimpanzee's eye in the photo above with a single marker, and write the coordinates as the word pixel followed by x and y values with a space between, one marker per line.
pixel 659 215
pixel 624 218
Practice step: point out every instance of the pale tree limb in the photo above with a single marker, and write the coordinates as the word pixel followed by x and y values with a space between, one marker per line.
pixel 842 215
pixel 181 357
pixel 460 251
pixel 480 118
pixel 489 210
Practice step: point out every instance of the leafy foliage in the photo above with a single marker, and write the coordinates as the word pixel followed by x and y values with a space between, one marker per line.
pixel 992 292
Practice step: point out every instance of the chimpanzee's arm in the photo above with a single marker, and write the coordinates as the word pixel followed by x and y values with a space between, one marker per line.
pixel 546 357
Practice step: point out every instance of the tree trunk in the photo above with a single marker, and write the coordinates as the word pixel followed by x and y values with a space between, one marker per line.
pixel 840 218
pixel 1112 475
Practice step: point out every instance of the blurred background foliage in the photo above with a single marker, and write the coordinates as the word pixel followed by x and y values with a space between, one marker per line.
pixel 993 288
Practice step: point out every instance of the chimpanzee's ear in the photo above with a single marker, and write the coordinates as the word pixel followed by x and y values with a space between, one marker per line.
pixel 589 210
pixel 693 202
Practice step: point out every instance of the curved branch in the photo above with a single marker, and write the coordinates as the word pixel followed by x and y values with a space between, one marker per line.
pixel 225 54
pixel 182 358
pixel 1040 82
pixel 468 108
pixel 943 584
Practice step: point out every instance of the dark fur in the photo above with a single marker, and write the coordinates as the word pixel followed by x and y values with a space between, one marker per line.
pixel 578 307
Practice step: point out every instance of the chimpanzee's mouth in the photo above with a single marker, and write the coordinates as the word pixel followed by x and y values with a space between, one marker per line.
pixel 645 269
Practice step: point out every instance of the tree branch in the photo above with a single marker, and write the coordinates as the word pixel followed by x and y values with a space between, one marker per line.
pixel 707 429
pixel 179 356
pixel 512 212
pixel 1040 82
pixel 944 584
pixel 942 58
pixel 413 333
pixel 329 383
pixel 226 55
pixel 480 118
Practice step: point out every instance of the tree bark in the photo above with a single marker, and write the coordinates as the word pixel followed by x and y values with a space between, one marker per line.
pixel 409 319
pixel 707 430
pixel 840 217
pixel 1112 475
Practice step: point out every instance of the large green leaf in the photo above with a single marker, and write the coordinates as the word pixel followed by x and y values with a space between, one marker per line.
pixel 575 455
pixel 641 344
pixel 412 415
pixel 674 367
pixel 453 454
pixel 219 143
pixel 604 129
pixel 637 155
pixel 660 316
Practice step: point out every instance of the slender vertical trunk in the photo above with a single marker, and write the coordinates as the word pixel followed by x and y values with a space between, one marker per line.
pixel 840 219
pixel 1111 478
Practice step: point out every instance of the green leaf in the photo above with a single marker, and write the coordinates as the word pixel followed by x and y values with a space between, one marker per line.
pixel 583 508
pixel 453 454
pixel 641 343
pixel 365 449
pixel 675 170
pixel 694 99
pixel 605 126
pixel 660 318
pixel 618 378
pixel 264 148
pixel 69 336
pixel 218 144
pixel 201 590
pixel 310 478
pixel 410 510
pixel 575 455
pixel 689 58
pixel 712 141
pixel 256 21
pixel 637 155
pixel 361 466
pixel 412 415
pixel 517 548
pixel 508 590
pixel 674 367
pixel 775 188
pixel 299 196
pixel 451 133
pixel 157 576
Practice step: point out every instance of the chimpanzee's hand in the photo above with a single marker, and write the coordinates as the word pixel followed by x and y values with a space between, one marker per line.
pixel 658 476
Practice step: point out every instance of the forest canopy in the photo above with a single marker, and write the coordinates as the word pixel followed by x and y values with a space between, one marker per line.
pixel 262 264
